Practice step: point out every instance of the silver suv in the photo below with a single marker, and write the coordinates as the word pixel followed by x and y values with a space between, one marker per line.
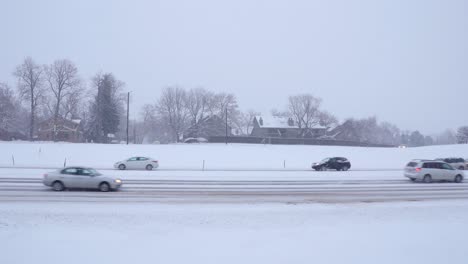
pixel 458 163
pixel 432 170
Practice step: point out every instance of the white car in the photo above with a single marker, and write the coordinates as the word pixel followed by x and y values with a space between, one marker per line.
pixel 432 170
pixel 82 178
pixel 137 163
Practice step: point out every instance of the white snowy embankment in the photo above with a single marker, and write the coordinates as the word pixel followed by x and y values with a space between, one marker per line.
pixel 216 156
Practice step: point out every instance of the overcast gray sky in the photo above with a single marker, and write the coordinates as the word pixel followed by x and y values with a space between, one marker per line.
pixel 404 61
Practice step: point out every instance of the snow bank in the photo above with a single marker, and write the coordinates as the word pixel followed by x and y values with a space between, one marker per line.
pixel 216 156
pixel 429 232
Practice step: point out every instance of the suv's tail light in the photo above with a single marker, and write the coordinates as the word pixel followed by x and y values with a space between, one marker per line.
pixel 417 169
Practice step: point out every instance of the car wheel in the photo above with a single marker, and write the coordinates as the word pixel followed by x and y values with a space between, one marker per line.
pixel 427 178
pixel 345 168
pixel 104 187
pixel 58 186
pixel 413 179
pixel 122 167
pixel 149 167
pixel 458 178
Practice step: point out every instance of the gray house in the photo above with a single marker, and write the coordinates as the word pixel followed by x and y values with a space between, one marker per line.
pixel 279 127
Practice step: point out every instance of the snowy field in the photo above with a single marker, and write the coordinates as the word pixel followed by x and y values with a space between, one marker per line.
pixel 414 232
pixel 216 156
pixel 246 207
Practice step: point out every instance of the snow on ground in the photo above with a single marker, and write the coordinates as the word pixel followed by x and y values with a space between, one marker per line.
pixel 416 232
pixel 216 156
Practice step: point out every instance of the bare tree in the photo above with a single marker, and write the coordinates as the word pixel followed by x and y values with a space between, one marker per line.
pixel 326 119
pixel 197 104
pixel 171 107
pixel 7 106
pixel 62 78
pixel 244 123
pixel 71 105
pixel 305 110
pixel 462 135
pixel 30 86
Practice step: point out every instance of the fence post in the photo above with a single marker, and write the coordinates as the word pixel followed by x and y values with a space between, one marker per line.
pixel 284 164
pixel 13 159
pixel 65 162
pixel 203 168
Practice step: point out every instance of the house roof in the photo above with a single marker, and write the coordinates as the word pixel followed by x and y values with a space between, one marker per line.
pixel 278 122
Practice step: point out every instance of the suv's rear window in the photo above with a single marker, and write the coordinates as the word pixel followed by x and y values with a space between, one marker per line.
pixel 412 164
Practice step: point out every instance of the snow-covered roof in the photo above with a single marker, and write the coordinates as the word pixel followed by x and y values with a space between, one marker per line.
pixel 274 122
pixel 76 121
pixel 278 122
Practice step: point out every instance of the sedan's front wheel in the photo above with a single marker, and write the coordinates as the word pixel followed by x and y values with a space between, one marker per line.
pixel 104 187
pixel 121 167
pixel 458 178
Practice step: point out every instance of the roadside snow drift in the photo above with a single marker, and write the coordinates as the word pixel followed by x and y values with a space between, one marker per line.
pixel 429 232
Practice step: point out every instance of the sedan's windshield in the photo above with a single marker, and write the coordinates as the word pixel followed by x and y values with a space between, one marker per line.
pixel 325 160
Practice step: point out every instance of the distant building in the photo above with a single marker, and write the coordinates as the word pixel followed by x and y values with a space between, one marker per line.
pixel 11 134
pixel 279 127
pixel 210 126
pixel 68 130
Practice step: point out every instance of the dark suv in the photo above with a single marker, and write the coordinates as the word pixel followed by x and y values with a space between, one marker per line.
pixel 335 163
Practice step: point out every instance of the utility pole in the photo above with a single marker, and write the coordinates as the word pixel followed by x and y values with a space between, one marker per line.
pixel 226 127
pixel 128 112
pixel 134 132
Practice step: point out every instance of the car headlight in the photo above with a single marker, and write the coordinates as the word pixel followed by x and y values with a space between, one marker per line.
pixel 118 181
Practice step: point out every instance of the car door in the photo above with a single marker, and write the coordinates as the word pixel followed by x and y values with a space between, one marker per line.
pixel 436 171
pixel 331 163
pixel 68 177
pixel 431 169
pixel 80 180
pixel 90 180
pixel 142 163
pixel 132 163
pixel 448 172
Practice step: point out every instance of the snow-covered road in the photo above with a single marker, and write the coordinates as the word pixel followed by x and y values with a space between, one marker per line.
pixel 237 186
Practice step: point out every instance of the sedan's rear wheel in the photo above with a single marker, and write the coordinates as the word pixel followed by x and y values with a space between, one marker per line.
pixel 458 178
pixel 104 187
pixel 149 167
pixel 122 167
pixel 427 179
pixel 58 186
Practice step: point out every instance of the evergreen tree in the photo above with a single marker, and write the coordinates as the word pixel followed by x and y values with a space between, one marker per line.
pixel 105 110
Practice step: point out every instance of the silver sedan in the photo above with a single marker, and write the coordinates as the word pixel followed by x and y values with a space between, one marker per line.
pixel 82 178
